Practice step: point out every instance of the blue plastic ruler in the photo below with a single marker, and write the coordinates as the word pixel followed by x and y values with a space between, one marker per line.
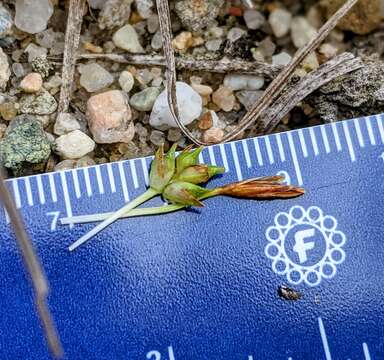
pixel 202 284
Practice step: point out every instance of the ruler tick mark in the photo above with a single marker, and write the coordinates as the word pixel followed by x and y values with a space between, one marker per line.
pixel 53 187
pixel 40 189
pixel 201 158
pixel 258 152
pixel 381 127
pixel 269 150
pixel 324 340
pixel 246 153
pixel 145 170
pixel 87 181
pixel 76 183
pixel 325 139
pixel 212 155
pixel 134 174
pixel 99 180
pixel 236 161
pixel 370 131
pixel 111 179
pixel 314 140
pixel 123 182
pixel 67 200
pixel 359 133
pixel 16 193
pixel 294 158
pixel 224 157
pixel 366 352
pixel 349 141
pixel 302 143
pixel 280 146
pixel 336 136
pixel 28 190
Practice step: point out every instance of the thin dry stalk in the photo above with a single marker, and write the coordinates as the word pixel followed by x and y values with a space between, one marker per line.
pixel 72 40
pixel 272 92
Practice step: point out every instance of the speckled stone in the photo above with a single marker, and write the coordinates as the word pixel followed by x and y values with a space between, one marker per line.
pixel 41 104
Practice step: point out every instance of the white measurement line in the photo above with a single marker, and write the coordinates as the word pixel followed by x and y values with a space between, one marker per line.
pixel 246 153
pixel 111 179
pixel 201 158
pixel 258 152
pixel 302 143
pixel 359 133
pixel 336 136
pixel 349 141
pixel 7 220
pixel 314 141
pixel 67 200
pixel 87 181
pixel 211 155
pixel 16 193
pixel 294 158
pixel 134 174
pixel 171 355
pixel 28 190
pixel 99 180
pixel 325 139
pixel 370 131
pixel 123 182
pixel 224 157
pixel 76 183
pixel 236 161
pixel 269 150
pixel 366 352
pixel 324 340
pixel 381 127
pixel 145 170
pixel 40 189
pixel 53 187
pixel 280 147
pixel 250 357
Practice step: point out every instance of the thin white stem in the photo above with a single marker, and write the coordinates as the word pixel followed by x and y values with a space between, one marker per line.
pixel 150 193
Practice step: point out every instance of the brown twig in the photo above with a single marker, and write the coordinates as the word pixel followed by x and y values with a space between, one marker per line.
pixel 274 89
pixel 72 40
pixel 340 65
pixel 189 63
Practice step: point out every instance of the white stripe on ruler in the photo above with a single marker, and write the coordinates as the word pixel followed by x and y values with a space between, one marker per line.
pixel 99 180
pixel 28 190
pixel 258 152
pixel 302 143
pixel 359 133
pixel 145 170
pixel 224 157
pixel 76 183
pixel 67 200
pixel 16 193
pixel 111 178
pixel 294 158
pixel 53 187
pixel 134 173
pixel 87 181
pixel 370 131
pixel 325 139
pixel 381 127
pixel 201 158
pixel 236 161
pixel 336 136
pixel 366 352
pixel 269 150
pixel 211 155
pixel 40 189
pixel 314 141
pixel 246 153
pixel 280 146
pixel 123 181
pixel 349 141
pixel 324 340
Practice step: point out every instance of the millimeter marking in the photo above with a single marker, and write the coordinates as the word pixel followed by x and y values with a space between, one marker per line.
pixel 370 131
pixel 294 158
pixel 359 133
pixel 87 181
pixel 40 189
pixel 111 178
pixel 28 190
pixel 349 141
pixel 381 127
pixel 211 155
pixel 366 352
pixel 258 152
pixel 302 143
pixel 16 193
pixel 336 136
pixel 246 153
pixel 224 157
pixel 236 161
pixel 99 180
pixel 314 141
pixel 123 182
pixel 325 140
pixel 76 184
pixel 269 150
pixel 145 170
pixel 53 187
pixel 324 340
pixel 134 174
pixel 280 146
pixel 67 200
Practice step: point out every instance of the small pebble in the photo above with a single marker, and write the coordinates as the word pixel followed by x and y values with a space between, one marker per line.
pixel 6 22
pixel 328 50
pixel 248 98
pixel 281 59
pixel 235 34
pixel 302 31
pixel 280 21
pixel 174 135
pixel 157 137
pixel 126 38
pixel 254 19
pixel 144 100
pixel 65 165
pixel 65 123
pixel 213 135
pixel 94 77
pixel 205 122
pixel 126 81
pixel 203 90
pixel 41 104
pixel 5 71
pixel 32 83
pixel 74 145
pixel 8 111
pixel 243 82
pixel 32 15
pixel 35 51
pixel 224 98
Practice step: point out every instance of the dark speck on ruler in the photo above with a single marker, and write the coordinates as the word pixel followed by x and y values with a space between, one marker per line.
pixel 289 294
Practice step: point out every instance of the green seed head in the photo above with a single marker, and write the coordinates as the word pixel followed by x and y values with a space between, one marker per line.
pixel 184 193
pixel 187 158
pixel 198 174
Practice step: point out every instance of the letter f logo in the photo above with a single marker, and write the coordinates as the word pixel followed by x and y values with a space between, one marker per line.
pixel 301 247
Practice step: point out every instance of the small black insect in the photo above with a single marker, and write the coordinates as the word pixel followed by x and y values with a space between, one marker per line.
pixel 289 294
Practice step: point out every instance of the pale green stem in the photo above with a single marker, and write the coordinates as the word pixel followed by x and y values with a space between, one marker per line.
pixel 150 193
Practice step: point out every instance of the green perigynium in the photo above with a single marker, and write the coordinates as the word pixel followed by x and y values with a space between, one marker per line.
pixel 177 179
